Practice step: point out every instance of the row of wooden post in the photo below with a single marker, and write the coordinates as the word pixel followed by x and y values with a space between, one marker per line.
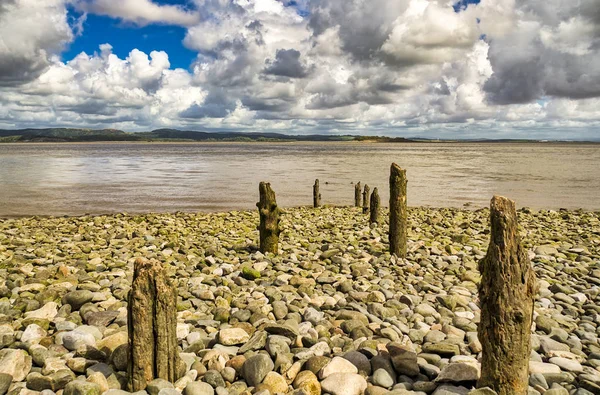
pixel 507 287
pixel 506 293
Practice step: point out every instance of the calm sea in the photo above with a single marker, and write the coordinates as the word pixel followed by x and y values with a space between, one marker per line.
pixel 58 179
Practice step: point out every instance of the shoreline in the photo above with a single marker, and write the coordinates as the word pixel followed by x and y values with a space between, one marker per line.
pixel 255 142
pixel 466 207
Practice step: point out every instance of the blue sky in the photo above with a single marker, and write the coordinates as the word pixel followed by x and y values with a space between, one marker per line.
pixel 124 37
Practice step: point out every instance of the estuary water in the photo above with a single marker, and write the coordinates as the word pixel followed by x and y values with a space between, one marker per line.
pixel 97 178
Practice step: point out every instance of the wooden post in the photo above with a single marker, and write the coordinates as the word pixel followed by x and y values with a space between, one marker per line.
pixel 316 194
pixel 269 219
pixel 365 198
pixel 398 211
pixel 506 296
pixel 152 325
pixel 357 195
pixel 374 217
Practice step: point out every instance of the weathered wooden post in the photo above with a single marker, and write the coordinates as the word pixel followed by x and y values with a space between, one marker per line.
pixel 357 195
pixel 316 194
pixel 269 219
pixel 506 296
pixel 152 325
pixel 398 211
pixel 374 217
pixel 365 198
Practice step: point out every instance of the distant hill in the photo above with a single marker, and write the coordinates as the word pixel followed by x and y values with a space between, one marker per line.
pixel 74 135
pixel 65 135
pixel 86 135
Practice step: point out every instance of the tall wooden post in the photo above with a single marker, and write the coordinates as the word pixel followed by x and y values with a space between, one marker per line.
pixel 506 295
pixel 365 198
pixel 152 325
pixel 357 192
pixel 398 211
pixel 316 194
pixel 269 219
pixel 374 217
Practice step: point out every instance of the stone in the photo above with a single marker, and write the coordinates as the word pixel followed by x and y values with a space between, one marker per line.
pixel 359 360
pixel 557 391
pixel 382 378
pixel 33 334
pixel 16 363
pixel 110 343
pixel 229 374
pixel 308 382
pixel 5 382
pixel 567 364
pixel 198 388
pixel 101 318
pixel 344 384
pixel 280 309
pixel 78 298
pixel 277 345
pixel 426 310
pixel 256 368
pixel 275 382
pixel 337 365
pixel 46 312
pixel 256 342
pixel 457 372
pixel 447 389
pixel 154 386
pixel 233 336
pixel 80 387
pixel 483 391
pixel 38 382
pixel 543 368
pixel 98 378
pixel 7 336
pixel 442 349
pixel 404 359
pixel 74 339
pixel 214 379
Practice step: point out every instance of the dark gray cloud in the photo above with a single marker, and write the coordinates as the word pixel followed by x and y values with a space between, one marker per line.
pixel 514 80
pixel 216 105
pixel 560 58
pixel 363 25
pixel 17 70
pixel 287 64
pixel 91 106
pixel 28 38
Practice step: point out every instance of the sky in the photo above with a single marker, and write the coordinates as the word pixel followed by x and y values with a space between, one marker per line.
pixel 413 68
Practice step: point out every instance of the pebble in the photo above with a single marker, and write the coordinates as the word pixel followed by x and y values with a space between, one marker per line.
pixel 198 388
pixel 331 313
pixel 344 384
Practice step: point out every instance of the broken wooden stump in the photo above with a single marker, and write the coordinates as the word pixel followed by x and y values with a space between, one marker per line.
pixel 365 198
pixel 316 194
pixel 269 219
pixel 506 296
pixel 152 326
pixel 398 211
pixel 357 195
pixel 374 215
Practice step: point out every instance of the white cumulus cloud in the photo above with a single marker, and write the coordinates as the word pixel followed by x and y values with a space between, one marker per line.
pixel 412 67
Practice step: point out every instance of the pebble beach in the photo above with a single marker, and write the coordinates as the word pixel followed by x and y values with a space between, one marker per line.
pixel 332 313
